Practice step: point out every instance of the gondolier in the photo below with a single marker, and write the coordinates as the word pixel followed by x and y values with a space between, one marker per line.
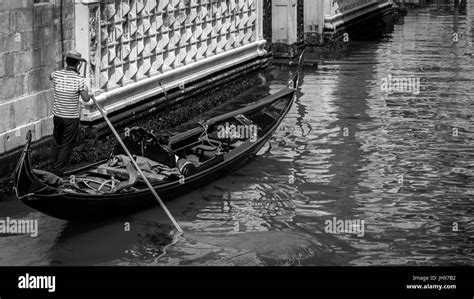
pixel 68 85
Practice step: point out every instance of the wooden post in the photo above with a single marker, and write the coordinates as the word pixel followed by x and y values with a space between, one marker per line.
pixel 284 28
pixel 314 12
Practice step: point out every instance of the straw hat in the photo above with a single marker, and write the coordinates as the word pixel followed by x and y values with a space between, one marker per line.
pixel 74 54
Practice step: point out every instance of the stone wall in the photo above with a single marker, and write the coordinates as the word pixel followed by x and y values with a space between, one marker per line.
pixel 134 45
pixel 30 49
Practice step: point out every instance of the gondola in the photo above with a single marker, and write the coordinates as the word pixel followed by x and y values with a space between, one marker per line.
pixel 175 166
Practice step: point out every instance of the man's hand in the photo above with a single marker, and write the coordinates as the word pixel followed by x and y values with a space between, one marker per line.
pixel 86 95
pixel 98 92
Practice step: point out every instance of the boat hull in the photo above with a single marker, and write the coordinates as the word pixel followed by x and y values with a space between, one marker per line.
pixel 97 208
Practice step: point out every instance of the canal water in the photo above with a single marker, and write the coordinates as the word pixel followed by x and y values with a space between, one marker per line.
pixel 355 146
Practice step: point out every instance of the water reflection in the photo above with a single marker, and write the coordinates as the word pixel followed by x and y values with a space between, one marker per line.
pixel 400 161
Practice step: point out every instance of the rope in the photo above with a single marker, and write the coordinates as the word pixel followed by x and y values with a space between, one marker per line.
pixel 218 148
pixel 106 183
pixel 109 183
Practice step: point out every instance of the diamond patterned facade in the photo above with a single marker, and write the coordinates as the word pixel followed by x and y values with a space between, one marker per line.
pixel 131 40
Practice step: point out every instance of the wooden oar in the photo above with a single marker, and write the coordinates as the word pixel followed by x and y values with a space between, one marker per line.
pixel 136 166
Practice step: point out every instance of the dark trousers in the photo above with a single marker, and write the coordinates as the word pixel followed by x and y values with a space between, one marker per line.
pixel 66 132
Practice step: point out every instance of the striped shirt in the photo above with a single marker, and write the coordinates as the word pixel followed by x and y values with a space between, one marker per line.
pixel 67 86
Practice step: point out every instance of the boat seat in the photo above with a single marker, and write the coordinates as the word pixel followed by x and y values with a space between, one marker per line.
pixel 143 143
pixel 161 154
pixel 193 158
pixel 201 149
pixel 211 162
pixel 188 168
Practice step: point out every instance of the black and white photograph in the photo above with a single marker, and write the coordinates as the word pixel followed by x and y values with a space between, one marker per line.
pixel 172 137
